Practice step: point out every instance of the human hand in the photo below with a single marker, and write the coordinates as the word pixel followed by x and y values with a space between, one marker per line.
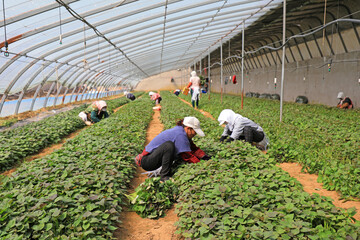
pixel 223 138
pixel 206 157
pixel 230 139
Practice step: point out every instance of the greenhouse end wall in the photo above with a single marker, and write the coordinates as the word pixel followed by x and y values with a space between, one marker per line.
pixel 310 78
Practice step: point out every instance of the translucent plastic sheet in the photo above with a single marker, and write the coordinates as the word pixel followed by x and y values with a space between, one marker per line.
pixel 127 39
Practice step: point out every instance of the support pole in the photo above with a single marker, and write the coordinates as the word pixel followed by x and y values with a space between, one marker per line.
pixel 48 94
pixel 64 96
pixel 209 83
pixel 34 97
pixel 242 65
pixel 283 62
pixel 200 66
pixel 221 70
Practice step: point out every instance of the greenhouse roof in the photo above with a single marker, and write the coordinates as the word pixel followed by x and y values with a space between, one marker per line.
pixel 109 42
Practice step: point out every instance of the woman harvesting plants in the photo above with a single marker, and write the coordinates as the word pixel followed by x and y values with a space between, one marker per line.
pixel 94 113
pixel 171 144
pixel 239 127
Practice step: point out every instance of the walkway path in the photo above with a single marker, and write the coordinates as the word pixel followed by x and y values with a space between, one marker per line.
pixel 133 227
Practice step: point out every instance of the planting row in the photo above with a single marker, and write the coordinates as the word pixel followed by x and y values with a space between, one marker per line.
pixel 23 141
pixel 324 140
pixel 241 194
pixel 77 191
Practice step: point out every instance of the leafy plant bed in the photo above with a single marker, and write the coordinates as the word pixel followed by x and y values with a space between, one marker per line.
pixel 77 191
pixel 241 194
pixel 18 143
pixel 153 197
pixel 324 140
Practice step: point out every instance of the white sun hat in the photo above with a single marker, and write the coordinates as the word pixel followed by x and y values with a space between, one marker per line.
pixel 194 123
pixel 341 95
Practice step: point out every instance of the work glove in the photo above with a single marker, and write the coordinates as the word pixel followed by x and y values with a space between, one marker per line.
pixel 206 157
pixel 223 138
pixel 229 139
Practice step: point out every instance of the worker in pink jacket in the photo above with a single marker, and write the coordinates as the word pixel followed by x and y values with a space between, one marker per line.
pixel 156 97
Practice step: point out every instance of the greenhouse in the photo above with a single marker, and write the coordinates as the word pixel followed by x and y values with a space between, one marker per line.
pixel 178 119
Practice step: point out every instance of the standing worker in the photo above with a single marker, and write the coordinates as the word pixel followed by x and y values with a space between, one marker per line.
pixel 344 102
pixel 239 127
pixel 130 96
pixel 195 89
pixel 156 97
pixel 165 147
pixel 94 113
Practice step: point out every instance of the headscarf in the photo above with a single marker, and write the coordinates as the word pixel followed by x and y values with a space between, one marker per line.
pixel 99 104
pixel 228 116
pixel 341 95
pixel 193 74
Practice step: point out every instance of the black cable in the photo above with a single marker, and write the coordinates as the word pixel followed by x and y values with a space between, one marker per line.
pixel 97 32
pixel 6 53
pixel 304 35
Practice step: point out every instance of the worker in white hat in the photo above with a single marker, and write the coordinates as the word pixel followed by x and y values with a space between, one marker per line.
pixel 241 128
pixel 172 144
pixel 156 97
pixel 344 102
pixel 94 113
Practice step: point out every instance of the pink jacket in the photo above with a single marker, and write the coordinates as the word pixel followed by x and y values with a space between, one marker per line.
pixel 155 96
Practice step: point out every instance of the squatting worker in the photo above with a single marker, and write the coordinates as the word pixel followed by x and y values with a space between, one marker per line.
pixel 177 92
pixel 195 89
pixel 130 96
pixel 155 97
pixel 94 113
pixel 344 102
pixel 171 144
pixel 239 127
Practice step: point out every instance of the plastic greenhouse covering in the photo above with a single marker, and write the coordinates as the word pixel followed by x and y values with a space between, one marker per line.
pixel 102 44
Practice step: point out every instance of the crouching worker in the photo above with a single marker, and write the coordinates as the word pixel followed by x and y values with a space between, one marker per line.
pixel 156 97
pixel 171 145
pixel 241 128
pixel 344 102
pixel 177 92
pixel 130 96
pixel 94 113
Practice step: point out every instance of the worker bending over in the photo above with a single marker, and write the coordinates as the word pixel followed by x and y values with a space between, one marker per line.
pixel 155 97
pixel 130 96
pixel 94 113
pixel 241 128
pixel 170 145
pixel 344 102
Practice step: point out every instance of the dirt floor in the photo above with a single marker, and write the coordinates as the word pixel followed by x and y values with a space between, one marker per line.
pixel 206 114
pixel 46 150
pixel 309 181
pixel 133 227
pixel 310 184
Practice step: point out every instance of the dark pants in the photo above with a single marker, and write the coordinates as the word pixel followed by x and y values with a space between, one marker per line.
pixel 157 101
pixel 163 156
pixel 251 135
